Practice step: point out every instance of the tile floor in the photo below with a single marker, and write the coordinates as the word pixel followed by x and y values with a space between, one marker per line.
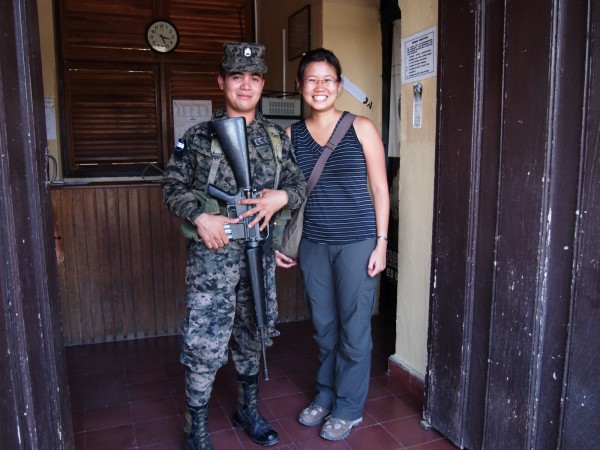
pixel 129 395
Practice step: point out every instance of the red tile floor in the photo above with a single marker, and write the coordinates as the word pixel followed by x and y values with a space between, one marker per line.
pixel 129 395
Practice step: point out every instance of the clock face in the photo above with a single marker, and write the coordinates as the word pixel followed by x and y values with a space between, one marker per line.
pixel 162 36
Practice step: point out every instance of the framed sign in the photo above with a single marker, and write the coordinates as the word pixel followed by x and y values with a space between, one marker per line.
pixel 299 33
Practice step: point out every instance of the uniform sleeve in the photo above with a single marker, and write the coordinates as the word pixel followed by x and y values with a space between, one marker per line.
pixel 177 183
pixel 292 180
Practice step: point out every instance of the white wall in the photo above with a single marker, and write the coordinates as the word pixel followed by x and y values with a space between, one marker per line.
pixel 351 29
pixel 416 181
pixel 272 31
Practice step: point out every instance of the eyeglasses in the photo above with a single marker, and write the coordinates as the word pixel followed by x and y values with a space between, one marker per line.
pixel 325 82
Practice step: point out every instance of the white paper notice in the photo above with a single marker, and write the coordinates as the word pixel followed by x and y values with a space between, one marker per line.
pixel 187 113
pixel 50 118
pixel 419 53
pixel 417 104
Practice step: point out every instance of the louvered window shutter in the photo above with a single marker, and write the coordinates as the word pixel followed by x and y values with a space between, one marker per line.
pixel 118 94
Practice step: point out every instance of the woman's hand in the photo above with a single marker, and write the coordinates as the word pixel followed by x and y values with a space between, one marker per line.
pixel 265 206
pixel 377 260
pixel 284 261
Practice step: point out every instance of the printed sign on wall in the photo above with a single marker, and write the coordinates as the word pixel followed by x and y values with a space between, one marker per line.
pixel 419 53
pixel 187 113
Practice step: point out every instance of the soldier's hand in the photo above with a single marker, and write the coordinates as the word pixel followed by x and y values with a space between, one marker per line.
pixel 265 206
pixel 212 231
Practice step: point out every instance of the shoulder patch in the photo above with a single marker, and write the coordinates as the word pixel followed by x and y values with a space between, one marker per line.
pixel 180 148
pixel 275 138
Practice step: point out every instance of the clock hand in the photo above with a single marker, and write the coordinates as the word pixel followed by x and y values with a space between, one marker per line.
pixel 164 37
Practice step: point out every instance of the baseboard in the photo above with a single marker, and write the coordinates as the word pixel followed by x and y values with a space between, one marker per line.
pixel 413 383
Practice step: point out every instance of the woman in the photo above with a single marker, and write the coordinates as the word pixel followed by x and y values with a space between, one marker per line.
pixel 343 246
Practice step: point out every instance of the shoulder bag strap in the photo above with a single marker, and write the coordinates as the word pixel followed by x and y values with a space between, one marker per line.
pixel 335 139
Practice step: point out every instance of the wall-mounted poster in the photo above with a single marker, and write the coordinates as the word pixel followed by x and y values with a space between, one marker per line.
pixel 419 56
pixel 187 113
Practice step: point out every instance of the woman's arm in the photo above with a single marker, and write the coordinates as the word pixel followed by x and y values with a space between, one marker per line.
pixel 377 177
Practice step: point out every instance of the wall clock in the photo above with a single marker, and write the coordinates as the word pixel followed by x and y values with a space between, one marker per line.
pixel 162 36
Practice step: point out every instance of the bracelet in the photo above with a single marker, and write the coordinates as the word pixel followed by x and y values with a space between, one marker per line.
pixel 57 237
pixel 382 238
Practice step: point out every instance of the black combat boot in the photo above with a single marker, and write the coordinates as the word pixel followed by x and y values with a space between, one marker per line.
pixel 196 432
pixel 248 418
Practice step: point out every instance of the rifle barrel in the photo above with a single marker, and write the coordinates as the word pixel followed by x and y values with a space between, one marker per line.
pixel 254 253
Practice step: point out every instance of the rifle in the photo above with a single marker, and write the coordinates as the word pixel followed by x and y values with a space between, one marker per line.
pixel 231 134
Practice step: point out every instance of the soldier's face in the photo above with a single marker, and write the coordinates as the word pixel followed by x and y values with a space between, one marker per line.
pixel 242 90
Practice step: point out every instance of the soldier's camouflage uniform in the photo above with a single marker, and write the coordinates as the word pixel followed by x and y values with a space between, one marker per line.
pixel 219 301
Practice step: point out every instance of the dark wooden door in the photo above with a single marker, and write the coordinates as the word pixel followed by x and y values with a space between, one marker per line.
pixel 34 406
pixel 514 349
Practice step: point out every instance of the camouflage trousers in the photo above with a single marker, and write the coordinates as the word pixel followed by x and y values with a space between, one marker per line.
pixel 220 316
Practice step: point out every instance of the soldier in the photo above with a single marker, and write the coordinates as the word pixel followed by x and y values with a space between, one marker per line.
pixel 219 301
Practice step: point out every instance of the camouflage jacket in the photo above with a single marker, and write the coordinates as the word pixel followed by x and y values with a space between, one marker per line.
pixel 188 169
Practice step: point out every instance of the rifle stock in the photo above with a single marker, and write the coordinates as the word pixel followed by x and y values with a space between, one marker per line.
pixel 231 134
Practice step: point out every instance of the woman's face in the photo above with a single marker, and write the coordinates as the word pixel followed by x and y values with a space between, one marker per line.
pixel 320 86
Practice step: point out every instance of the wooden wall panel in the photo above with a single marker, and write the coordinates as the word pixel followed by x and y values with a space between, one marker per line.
pixel 124 268
pixel 123 275
pixel 290 295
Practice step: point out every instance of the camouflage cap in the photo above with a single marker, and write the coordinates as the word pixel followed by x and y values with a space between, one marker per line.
pixel 243 57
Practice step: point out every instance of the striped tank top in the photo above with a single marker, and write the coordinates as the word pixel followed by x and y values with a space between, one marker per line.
pixel 339 210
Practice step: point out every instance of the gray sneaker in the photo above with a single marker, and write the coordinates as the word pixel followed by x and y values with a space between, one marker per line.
pixel 338 429
pixel 313 415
